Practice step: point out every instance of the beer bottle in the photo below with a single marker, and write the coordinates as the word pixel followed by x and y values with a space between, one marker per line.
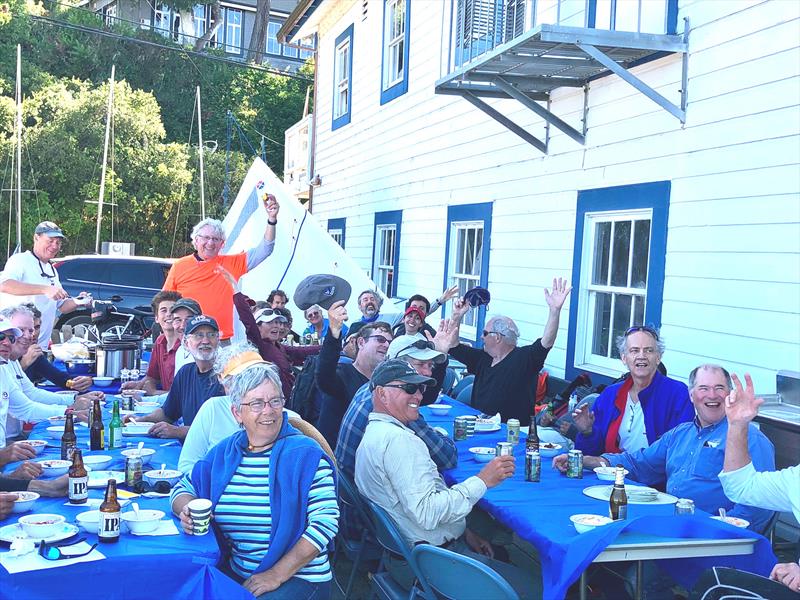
pixel 68 441
pixel 532 442
pixel 618 502
pixel 96 434
pixel 115 428
pixel 108 526
pixel 78 479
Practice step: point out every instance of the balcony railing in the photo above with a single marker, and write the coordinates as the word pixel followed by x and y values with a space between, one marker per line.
pixel 479 26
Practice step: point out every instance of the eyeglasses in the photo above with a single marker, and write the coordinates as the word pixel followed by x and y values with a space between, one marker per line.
pixel 257 406
pixel 53 551
pixel 161 487
pixel 419 345
pixel 311 315
pixel 487 333
pixel 208 238
pixel 644 328
pixel 408 388
pixel 205 335
pixel 7 336
pixel 381 339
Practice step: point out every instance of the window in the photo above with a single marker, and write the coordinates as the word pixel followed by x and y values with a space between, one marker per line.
pixel 273 47
pixel 469 229
pixel 233 31
pixel 109 14
pixel 620 244
pixel 200 13
pixel 336 229
pixel 310 43
pixel 289 51
pixel 162 20
pixel 386 250
pixel 342 70
pixel 394 78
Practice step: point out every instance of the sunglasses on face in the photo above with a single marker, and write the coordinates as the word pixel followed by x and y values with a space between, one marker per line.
pixel 408 388
pixel 7 336
pixel 644 328
pixel 381 339
pixel 487 333
pixel 161 487
pixel 53 551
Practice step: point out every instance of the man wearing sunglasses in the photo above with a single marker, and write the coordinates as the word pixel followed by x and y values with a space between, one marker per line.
pixel 31 277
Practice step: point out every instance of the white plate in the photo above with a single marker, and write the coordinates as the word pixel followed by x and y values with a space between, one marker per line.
pixel 603 492
pixel 489 429
pixel 99 479
pixel 93 503
pixel 134 430
pixel 11 532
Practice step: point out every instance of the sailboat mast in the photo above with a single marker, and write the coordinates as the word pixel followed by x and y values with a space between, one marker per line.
pixel 19 147
pixel 200 154
pixel 105 158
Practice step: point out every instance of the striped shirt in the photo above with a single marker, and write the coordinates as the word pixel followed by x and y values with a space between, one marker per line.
pixel 244 517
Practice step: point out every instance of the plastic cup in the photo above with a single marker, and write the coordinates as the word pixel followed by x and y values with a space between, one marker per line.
pixel 200 511
pixel 471 422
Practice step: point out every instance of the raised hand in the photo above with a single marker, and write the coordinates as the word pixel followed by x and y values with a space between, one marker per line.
pixel 450 292
pixel 446 335
pixel 555 299
pixel 460 308
pixel 220 270
pixel 337 315
pixel 741 405
pixel 583 417
pixel 272 206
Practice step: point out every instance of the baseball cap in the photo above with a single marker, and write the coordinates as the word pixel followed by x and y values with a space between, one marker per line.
pixel 188 304
pixel 394 369
pixel 200 321
pixel 7 327
pixel 477 296
pixel 321 289
pixel 415 309
pixel 242 361
pixel 267 315
pixel 49 228
pixel 416 347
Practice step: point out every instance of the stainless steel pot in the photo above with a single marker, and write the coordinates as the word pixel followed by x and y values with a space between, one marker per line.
pixel 111 359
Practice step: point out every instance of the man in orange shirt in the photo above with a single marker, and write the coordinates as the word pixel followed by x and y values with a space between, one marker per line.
pixel 195 276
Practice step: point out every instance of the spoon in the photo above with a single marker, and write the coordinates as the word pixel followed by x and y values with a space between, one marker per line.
pixel 133 421
pixel 139 449
pixel 722 513
pixel 163 468
pixel 135 506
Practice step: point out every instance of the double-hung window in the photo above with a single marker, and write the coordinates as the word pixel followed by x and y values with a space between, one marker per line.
pixel 200 13
pixel 386 250
pixel 273 47
pixel 233 31
pixel 162 20
pixel 394 70
pixel 342 78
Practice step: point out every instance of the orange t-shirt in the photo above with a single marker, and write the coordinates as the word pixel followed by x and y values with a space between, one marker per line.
pixel 196 279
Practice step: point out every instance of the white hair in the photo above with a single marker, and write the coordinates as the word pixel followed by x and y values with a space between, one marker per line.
pixel 250 379
pixel 215 224
pixel 505 326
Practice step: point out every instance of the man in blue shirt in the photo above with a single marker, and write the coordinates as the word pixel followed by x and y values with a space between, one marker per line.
pixel 688 458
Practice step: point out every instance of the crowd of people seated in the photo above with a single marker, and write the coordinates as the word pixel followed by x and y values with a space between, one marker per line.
pixel 267 426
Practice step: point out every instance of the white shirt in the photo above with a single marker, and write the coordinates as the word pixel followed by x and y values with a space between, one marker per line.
pixel 182 357
pixel 15 403
pixel 394 469
pixel 774 490
pixel 632 433
pixel 14 426
pixel 26 268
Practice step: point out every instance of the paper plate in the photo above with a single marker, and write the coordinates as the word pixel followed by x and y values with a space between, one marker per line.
pixel 14 531
pixel 99 479
pixel 133 430
pixel 488 429
pixel 636 494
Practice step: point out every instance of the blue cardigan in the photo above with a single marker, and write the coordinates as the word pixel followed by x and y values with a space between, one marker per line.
pixel 293 464
pixel 665 404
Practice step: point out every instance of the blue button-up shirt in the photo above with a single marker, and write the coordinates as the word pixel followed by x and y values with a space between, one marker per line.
pixel 689 458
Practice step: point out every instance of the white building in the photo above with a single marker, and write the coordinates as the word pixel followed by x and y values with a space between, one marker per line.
pixel 688 220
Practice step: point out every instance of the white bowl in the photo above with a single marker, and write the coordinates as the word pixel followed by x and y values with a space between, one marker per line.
pixel 549 449
pixel 37 445
pixel 57 420
pixel 89 521
pixel 55 431
pixel 148 520
pixel 136 429
pixel 103 381
pixel 146 453
pixel 145 408
pixel 41 526
pixel 97 462
pixel 171 476
pixel 54 467
pixel 585 522
pixel 607 473
pixel 440 410
pixel 736 521
pixel 24 501
pixel 482 455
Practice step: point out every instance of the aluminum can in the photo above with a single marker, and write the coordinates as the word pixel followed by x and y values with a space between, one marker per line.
pixel 504 449
pixel 533 466
pixel 133 471
pixel 684 506
pixel 575 464
pixel 459 429
pixel 513 431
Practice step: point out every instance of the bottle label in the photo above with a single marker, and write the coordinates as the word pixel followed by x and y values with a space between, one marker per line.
pixel 108 525
pixel 115 437
pixel 67 451
pixel 78 488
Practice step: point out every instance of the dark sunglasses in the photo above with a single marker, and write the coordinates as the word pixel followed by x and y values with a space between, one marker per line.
pixel 644 328
pixel 419 345
pixel 408 388
pixel 7 336
pixel 381 339
pixel 485 333
pixel 161 487
pixel 53 551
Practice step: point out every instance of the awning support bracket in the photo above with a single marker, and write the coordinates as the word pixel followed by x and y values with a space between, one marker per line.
pixel 505 121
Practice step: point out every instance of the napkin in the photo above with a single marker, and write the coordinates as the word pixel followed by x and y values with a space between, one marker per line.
pixel 95 503
pixel 33 562
pixel 166 527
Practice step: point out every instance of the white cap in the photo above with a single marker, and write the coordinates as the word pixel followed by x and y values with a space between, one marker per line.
pixel 6 327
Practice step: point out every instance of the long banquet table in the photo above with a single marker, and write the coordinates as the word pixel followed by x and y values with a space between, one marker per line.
pixel 539 513
pixel 146 567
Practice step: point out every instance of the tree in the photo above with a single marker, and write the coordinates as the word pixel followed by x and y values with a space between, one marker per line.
pixel 258 39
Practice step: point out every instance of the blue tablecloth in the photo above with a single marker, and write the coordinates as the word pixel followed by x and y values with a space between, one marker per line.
pixel 176 566
pixel 539 513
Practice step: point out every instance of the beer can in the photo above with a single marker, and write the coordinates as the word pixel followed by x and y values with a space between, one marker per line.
pixel 513 431
pixel 504 449
pixel 533 466
pixel 459 429
pixel 575 464
pixel 133 471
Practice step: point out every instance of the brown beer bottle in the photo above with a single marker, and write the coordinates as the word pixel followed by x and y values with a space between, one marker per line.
pixel 96 434
pixel 108 526
pixel 618 502
pixel 68 441
pixel 78 479
pixel 532 441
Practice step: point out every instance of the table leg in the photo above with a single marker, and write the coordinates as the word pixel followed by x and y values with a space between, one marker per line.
pixel 583 586
pixel 639 580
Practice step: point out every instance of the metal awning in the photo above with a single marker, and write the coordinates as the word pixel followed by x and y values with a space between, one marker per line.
pixel 529 67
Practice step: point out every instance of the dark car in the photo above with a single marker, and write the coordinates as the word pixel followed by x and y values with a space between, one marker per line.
pixel 127 281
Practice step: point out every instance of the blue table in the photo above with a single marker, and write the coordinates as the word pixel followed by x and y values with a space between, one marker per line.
pixel 539 513
pixel 176 566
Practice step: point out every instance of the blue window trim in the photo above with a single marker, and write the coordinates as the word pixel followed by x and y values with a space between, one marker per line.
pixel 345 118
pixel 389 217
pixel 654 196
pixel 401 87
pixel 338 224
pixel 471 212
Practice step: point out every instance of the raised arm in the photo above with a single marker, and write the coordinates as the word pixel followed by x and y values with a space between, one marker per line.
pixel 741 407
pixel 555 301
pixel 256 255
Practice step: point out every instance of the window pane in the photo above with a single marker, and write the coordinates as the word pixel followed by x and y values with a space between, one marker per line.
pixel 638 310
pixel 619 260
pixel 602 320
pixel 602 247
pixel 622 320
pixel 641 250
pixel 273 47
pixel 476 259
